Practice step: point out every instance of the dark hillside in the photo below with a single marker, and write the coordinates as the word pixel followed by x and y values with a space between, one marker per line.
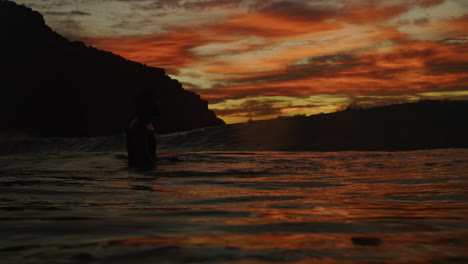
pixel 53 87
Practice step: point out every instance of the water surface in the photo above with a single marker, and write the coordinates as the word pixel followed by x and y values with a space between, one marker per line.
pixel 236 207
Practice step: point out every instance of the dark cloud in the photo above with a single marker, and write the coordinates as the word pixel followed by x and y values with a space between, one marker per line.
pixel 56 13
pixel 154 5
pixel 430 3
pixel 211 4
pixel 338 58
pixel 441 67
pixel 79 13
pixel 134 24
pixel 296 10
pixel 178 4
pixel 410 52
pixel 420 21
pixel 72 13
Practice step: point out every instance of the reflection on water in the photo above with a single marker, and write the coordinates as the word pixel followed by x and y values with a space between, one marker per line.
pixel 237 207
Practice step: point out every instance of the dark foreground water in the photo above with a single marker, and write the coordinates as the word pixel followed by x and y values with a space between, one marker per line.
pixel 236 207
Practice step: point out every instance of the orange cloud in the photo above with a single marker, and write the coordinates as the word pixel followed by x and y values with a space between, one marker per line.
pixel 410 67
pixel 297 50
pixel 162 50
pixel 271 25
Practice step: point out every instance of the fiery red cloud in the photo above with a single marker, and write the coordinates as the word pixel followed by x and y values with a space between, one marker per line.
pixel 260 59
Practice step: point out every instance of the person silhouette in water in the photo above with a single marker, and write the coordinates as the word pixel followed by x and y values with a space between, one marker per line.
pixel 141 133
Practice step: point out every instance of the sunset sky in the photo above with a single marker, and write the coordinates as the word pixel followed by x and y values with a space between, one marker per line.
pixel 261 59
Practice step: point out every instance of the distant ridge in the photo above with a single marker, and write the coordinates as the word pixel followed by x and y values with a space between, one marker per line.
pixel 412 126
pixel 51 86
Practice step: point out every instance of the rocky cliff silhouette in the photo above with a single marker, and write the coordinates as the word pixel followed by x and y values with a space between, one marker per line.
pixel 54 87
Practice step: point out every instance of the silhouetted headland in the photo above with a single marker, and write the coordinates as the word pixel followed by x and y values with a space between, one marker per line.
pixel 54 87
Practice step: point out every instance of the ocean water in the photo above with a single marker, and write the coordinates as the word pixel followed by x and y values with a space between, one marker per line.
pixel 235 207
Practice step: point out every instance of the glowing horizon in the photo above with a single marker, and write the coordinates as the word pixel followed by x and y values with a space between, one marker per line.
pixel 261 59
